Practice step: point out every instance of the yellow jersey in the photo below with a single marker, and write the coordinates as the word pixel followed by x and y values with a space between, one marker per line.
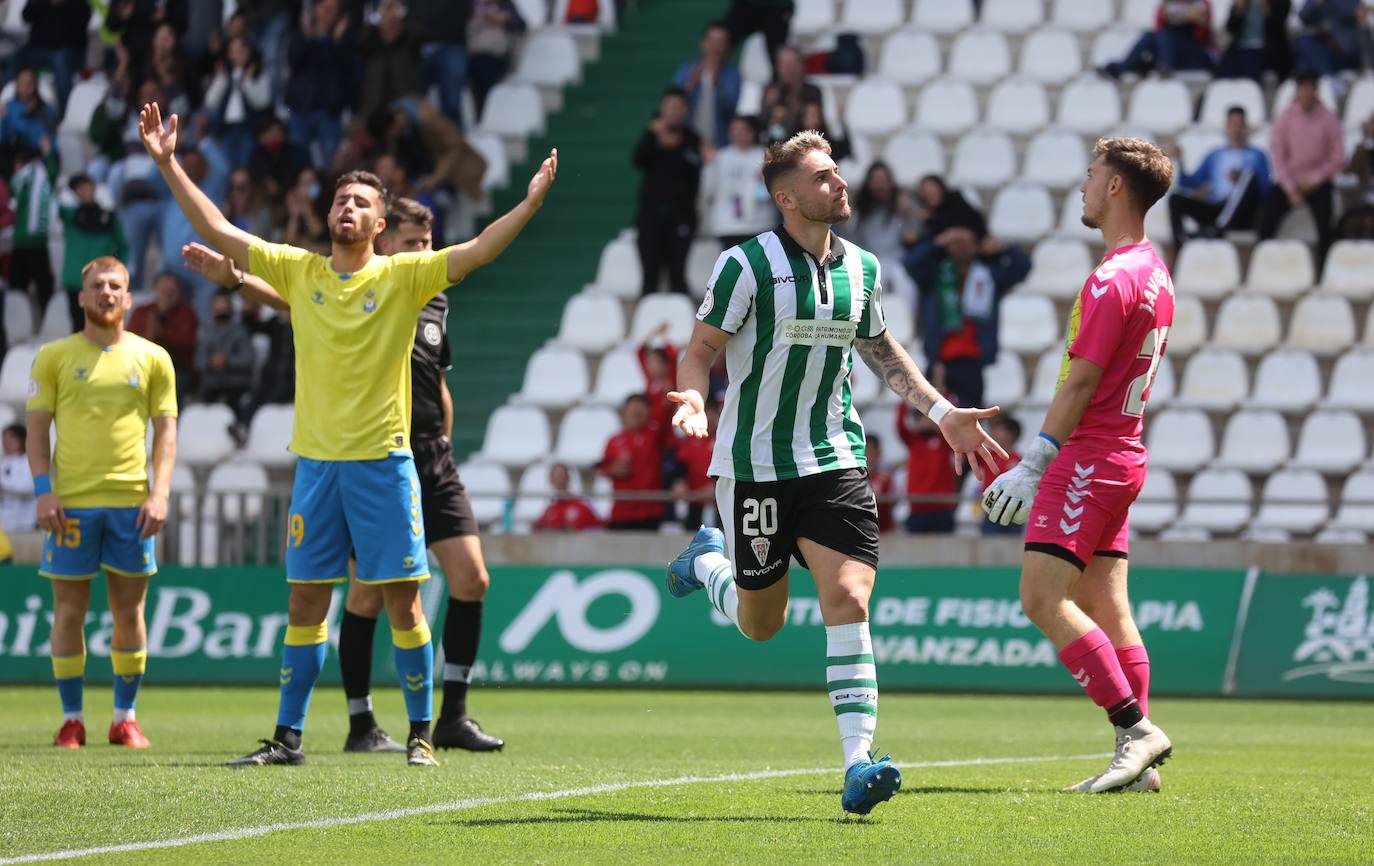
pixel 101 398
pixel 354 334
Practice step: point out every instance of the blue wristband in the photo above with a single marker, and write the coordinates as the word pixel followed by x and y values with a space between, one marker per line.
pixel 1050 439
pixel 42 484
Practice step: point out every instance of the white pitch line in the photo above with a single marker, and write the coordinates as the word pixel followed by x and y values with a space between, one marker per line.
pixel 477 802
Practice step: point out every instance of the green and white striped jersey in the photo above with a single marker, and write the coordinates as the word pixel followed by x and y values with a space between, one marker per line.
pixel 789 411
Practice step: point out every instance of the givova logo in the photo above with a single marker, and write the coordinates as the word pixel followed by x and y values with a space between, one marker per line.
pixel 564 599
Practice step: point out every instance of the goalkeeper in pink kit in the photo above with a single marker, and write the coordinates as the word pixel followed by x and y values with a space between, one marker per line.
pixel 1075 485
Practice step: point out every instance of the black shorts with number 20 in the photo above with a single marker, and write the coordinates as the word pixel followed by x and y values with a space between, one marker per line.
pixel 764 519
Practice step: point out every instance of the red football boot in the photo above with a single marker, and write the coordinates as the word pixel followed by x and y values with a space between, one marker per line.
pixel 72 735
pixel 127 734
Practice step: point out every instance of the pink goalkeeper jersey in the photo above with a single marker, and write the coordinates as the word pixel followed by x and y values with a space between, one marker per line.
pixel 1120 321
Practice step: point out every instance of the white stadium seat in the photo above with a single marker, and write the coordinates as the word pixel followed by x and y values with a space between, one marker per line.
pixel 1058 268
pixel 1179 533
pixel 872 17
pixel 269 434
pixel 1357 503
pixel 1369 328
pixel 1028 323
pixel 1331 441
pixel 1248 324
pixel 1219 500
pixel 812 17
pixel 1180 440
pixel 57 319
pixel 701 264
pixel 1157 504
pixel 1349 270
pixel 535 12
pixel 1222 94
pixel 1286 380
pixel 979 56
pixel 1160 106
pixel 1189 331
pixel 900 318
pixel 942 16
pixel 1012 16
pixel 755 66
pixel 1164 388
pixel 1046 377
pixel 549 58
pixel 232 481
pixel 1323 324
pixel 1294 500
pixel 1006 380
pixel 1214 379
pixel 583 434
pixel 1018 105
pixel 984 158
pixel 1088 105
pixel 865 386
pixel 1021 213
pixel 203 434
pixel 592 322
pixel 1195 142
pixel 1281 268
pixel 909 57
pixel 516 435
pixel 1283 95
pixel 946 106
pixel 618 376
pixel 912 154
pixel 1112 43
pixel 618 271
pixel 489 145
pixel 1083 16
pixel 1157 223
pixel 488 486
pixel 677 311
pixel 1352 382
pixel 876 107
pixel 1207 269
pixel 1049 55
pixel 19 325
pixel 555 377
pixel 1340 535
pixel 1255 441
pixel 514 109
pixel 1056 158
pixel 1359 103
pixel 14 374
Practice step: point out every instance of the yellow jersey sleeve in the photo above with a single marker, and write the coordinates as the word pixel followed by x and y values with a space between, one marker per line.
pixel 425 274
pixel 281 266
pixel 43 381
pixel 162 385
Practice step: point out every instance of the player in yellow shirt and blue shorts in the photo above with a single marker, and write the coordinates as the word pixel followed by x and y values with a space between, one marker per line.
pixel 101 386
pixel 353 317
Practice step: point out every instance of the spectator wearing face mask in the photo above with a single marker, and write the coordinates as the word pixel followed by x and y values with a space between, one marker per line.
pixel 224 355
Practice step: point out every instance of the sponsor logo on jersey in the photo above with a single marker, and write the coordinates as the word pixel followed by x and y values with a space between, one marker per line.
pixel 760 546
pixel 817 332
pixel 801 281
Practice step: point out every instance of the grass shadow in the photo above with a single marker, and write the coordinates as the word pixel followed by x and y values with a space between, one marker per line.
pixel 591 816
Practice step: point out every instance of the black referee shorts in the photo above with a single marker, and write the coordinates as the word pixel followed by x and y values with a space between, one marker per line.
pixel 443 498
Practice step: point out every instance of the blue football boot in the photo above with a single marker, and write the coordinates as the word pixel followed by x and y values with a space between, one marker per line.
pixel 681 577
pixel 868 783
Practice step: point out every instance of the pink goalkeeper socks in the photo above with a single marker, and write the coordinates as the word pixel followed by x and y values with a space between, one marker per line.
pixel 1092 661
pixel 1135 664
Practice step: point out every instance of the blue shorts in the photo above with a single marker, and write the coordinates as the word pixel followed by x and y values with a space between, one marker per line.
pixel 98 538
pixel 367 507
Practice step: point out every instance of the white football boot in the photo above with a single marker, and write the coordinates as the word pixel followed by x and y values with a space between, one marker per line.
pixel 1139 749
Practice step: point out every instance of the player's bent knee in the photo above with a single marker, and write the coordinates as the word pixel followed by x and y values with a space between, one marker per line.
pixel 761 630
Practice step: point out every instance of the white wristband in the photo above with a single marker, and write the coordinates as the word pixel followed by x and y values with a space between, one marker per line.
pixel 939 410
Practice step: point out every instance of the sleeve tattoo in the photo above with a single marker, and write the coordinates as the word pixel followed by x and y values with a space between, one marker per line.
pixel 891 363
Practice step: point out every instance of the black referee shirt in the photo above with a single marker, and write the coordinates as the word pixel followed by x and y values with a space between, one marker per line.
pixel 428 361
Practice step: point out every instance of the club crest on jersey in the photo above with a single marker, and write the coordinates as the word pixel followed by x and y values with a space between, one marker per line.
pixel 432 335
pixel 81 374
pixel 708 302
pixel 133 379
pixel 760 546
pixel 318 298
pixel 369 301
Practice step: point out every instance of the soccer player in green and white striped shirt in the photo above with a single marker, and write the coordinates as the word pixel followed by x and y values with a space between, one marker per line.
pixel 788 306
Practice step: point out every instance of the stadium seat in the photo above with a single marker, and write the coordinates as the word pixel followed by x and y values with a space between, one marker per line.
pixel 1288 381
pixel 1340 535
pixel 1157 504
pixel 812 17
pixel 1088 105
pixel 493 151
pixel 1083 16
pixel 872 17
pixel 514 110
pixel 1349 270
pixel 203 434
pixel 74 146
pixel 618 376
pixel 1139 13
pixel 1111 44
pixel 239 485
pixel 583 434
pixel 1046 377
pixel 488 486
pixel 983 158
pixel 864 385
pixel 1359 102
pixel 555 377
pixel 1357 503
pixel 912 154
pixel 1189 330
pixel 1055 158
pixel 1018 105
pixel 1005 381
pixel 875 107
pixel 1011 16
pixel 701 264
pixel 1322 324
pixel 1058 268
pixel 14 374
pixel 1265 534
pixel 1207 269
pixel 654 310
pixel 1283 95
pixel 516 435
pixel 1028 323
pixel 592 322
pixel 1160 106
pixel 1331 441
pixel 1248 324
pixel 1021 213
pixel 1071 225
pixel 942 16
pixel 1219 500
pixel 1294 500
pixel 19 324
pixel 1157 224
pixel 57 319
pixel 979 56
pixel 1281 268
pixel 1222 94
pixel 1214 379
pixel 900 318
pixel 1049 55
pixel 1195 142
pixel 1164 388
pixel 549 58
pixel 1178 533
pixel 1254 441
pixel 909 57
pixel 755 66
pixel 1369 328
pixel 946 106
pixel 1352 382
pixel 269 434
pixel 535 12
pixel 619 272
pixel 1180 440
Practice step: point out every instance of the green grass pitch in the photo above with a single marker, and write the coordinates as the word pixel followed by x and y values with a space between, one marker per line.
pixel 612 778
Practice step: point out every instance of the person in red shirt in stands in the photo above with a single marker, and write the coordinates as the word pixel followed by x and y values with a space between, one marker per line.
pixel 884 482
pixel 1006 430
pixel 693 454
pixel 171 323
pixel 633 460
pixel 929 473
pixel 567 512
pixel 658 360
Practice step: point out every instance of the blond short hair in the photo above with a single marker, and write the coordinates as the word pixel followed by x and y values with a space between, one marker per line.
pixel 104 263
pixel 783 157
pixel 1142 166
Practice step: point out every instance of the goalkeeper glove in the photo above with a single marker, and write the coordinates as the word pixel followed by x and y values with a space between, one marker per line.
pixel 1008 499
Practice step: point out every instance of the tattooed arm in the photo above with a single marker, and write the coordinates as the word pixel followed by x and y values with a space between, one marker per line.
pixel 886 358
